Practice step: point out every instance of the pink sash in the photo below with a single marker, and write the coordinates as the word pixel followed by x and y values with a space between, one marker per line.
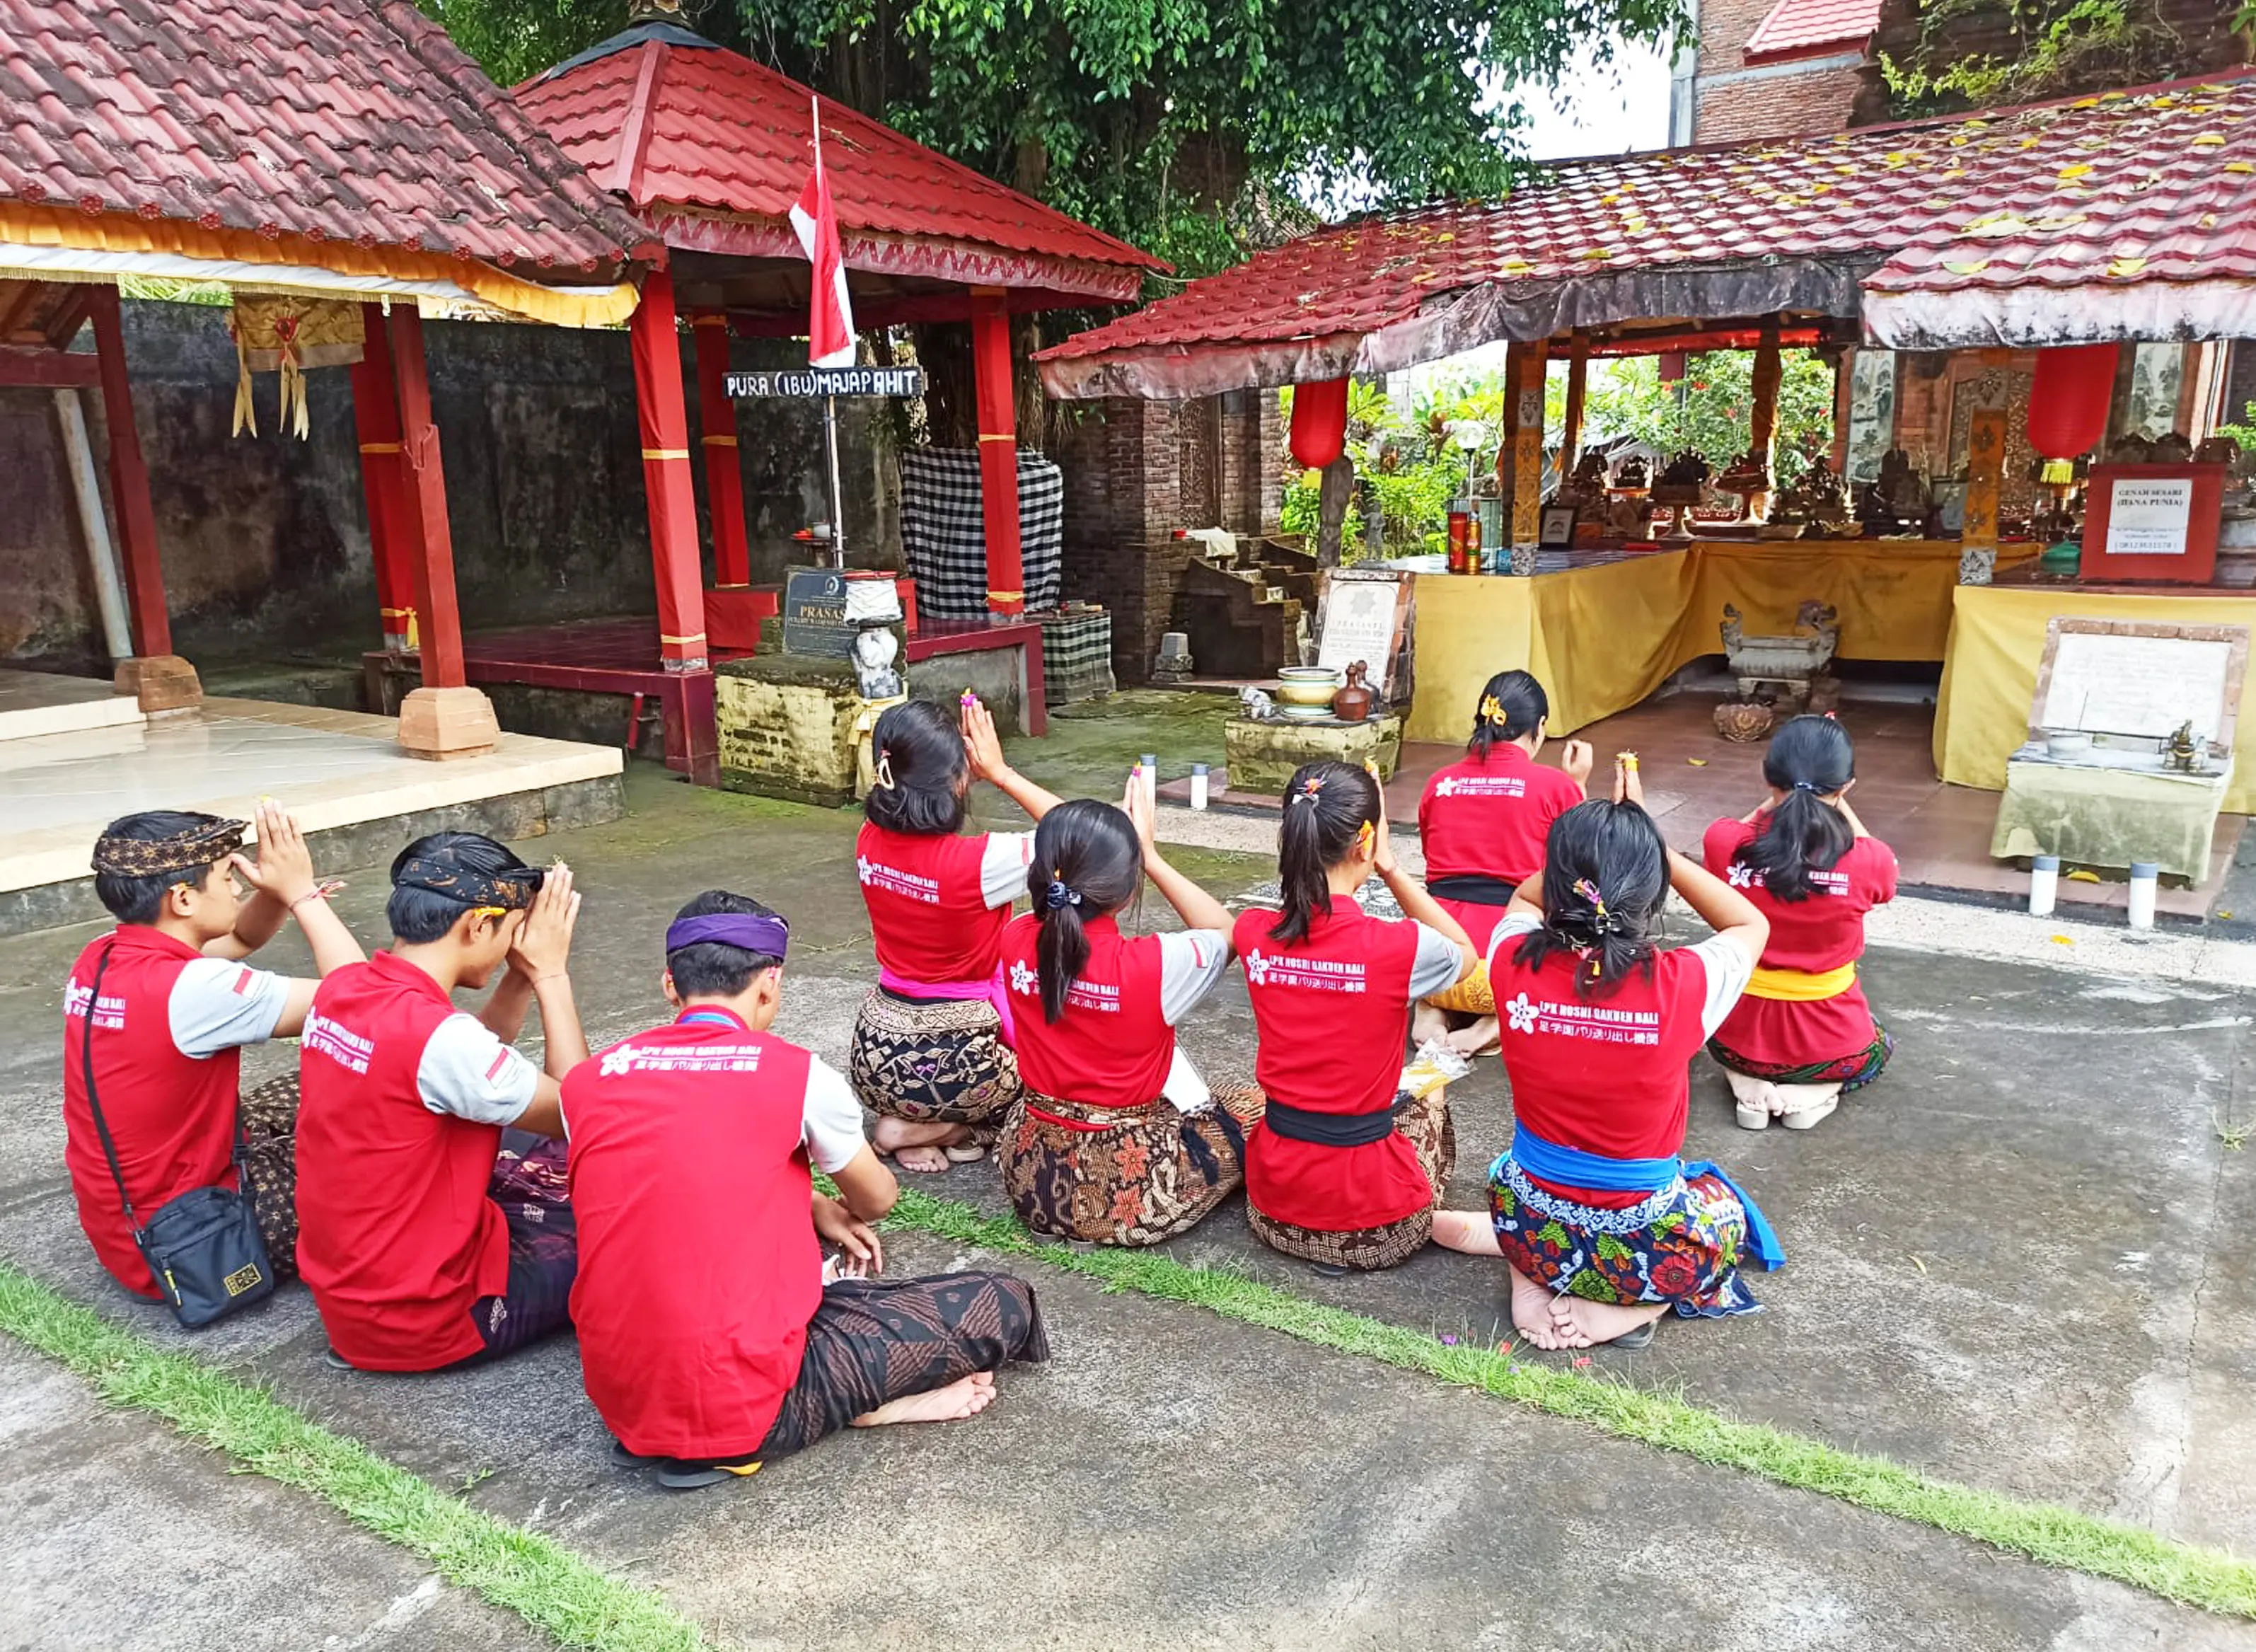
pixel 993 991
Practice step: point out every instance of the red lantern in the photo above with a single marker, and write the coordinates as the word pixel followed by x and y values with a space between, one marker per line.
pixel 2068 398
pixel 1319 422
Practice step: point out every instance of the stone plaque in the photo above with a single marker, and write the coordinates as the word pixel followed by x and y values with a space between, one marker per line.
pixel 814 613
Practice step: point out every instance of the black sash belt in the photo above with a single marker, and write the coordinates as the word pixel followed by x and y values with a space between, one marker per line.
pixel 1477 888
pixel 1328 1129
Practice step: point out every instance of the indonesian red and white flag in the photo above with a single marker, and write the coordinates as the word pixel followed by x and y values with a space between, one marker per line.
pixel 830 317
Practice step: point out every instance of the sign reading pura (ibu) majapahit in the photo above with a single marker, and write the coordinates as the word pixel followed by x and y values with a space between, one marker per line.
pixel 810 382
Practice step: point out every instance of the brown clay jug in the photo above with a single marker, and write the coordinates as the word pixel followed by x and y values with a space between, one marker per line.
pixel 1354 702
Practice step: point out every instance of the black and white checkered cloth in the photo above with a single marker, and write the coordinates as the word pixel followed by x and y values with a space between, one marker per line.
pixel 1076 656
pixel 945 540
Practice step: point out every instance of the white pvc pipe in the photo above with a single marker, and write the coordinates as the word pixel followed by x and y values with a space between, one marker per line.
pixel 109 590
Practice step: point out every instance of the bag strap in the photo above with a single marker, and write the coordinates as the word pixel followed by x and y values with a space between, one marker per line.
pixel 93 1101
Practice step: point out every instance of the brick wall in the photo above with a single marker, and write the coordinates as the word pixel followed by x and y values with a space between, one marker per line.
pixel 1724 26
pixel 1253 434
pixel 1783 103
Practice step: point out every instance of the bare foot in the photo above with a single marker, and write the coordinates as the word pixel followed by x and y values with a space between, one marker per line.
pixel 1602 1322
pixel 965 1397
pixel 1564 1330
pixel 1471 1231
pixel 1531 1311
pixel 1802 1105
pixel 1478 1039
pixel 1427 1025
pixel 1755 1100
pixel 916 1148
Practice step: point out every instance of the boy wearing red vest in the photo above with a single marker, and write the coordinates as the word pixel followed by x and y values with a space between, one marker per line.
pixel 427 1236
pixel 708 1340
pixel 176 1005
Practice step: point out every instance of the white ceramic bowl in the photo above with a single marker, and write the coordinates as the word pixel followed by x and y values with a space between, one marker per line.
pixel 2067 742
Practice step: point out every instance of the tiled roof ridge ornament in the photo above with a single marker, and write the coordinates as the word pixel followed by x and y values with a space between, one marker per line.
pixel 655 12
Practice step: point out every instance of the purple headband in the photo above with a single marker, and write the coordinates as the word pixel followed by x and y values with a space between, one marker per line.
pixel 767 937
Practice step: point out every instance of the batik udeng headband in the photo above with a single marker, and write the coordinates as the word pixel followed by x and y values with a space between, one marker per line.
pixel 190 851
pixel 767 936
pixel 507 890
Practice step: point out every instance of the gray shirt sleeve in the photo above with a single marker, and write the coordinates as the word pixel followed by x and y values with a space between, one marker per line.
pixel 467 1071
pixel 1438 965
pixel 1510 928
pixel 1192 962
pixel 222 1004
pixel 832 1117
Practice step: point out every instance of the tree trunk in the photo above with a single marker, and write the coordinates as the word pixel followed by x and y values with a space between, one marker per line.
pixel 1331 509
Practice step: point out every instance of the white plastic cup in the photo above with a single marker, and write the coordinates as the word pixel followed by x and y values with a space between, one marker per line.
pixel 1151 780
pixel 2146 881
pixel 1198 785
pixel 2044 885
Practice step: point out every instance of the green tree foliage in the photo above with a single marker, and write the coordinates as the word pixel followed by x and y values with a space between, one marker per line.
pixel 1175 124
pixel 2061 48
pixel 1714 405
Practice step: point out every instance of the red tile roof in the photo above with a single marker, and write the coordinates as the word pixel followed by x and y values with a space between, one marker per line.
pixel 684 129
pixel 1794 28
pixel 347 120
pixel 2158 183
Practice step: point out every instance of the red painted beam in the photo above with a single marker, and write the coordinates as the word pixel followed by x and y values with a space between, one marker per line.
pixel 129 482
pixel 48 369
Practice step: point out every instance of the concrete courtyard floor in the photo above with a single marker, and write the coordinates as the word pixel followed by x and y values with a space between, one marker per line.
pixel 2019 1263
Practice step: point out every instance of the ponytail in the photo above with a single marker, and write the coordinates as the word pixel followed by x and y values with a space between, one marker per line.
pixel 1605 875
pixel 1094 862
pixel 1511 706
pixel 1811 759
pixel 1326 808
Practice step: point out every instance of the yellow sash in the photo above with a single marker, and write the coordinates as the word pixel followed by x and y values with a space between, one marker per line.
pixel 1795 986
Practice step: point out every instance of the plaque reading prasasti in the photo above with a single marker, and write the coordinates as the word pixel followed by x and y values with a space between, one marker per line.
pixel 2138 686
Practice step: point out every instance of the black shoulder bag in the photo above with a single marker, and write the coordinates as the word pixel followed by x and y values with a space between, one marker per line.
pixel 203 1248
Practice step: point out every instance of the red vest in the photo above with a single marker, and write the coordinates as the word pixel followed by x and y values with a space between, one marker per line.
pixel 396 1236
pixel 1333 1013
pixel 698 1265
pixel 927 916
pixel 1112 1046
pixel 1609 1074
pixel 1491 819
pixel 172 1116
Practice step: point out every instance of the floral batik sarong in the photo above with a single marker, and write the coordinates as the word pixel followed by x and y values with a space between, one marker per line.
pixel 1124 1175
pixel 940 1060
pixel 1432 1137
pixel 269 1116
pixel 1681 1245
pixel 1852 1072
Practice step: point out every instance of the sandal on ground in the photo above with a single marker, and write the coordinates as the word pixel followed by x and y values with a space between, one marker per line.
pixel 689 1474
pixel 336 1361
pixel 1631 1341
pixel 1751 1118
pixel 971 1149
pixel 1808 1116
pixel 625 1459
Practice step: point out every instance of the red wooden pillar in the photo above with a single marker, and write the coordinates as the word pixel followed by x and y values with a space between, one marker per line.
pixel 998 452
pixel 666 477
pixel 382 478
pixel 129 481
pixel 445 718
pixel 716 422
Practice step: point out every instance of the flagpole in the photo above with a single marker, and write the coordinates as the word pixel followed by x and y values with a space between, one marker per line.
pixel 830 403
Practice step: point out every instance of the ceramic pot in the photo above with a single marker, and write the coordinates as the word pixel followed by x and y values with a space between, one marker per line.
pixel 1354 702
pixel 1742 720
pixel 1307 691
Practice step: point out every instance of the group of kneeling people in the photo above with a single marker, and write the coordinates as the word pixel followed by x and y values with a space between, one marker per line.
pixel 446 1200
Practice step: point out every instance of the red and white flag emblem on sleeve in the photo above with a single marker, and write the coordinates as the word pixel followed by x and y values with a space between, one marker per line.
pixel 830 317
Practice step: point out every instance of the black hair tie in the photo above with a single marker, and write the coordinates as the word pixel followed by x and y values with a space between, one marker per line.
pixel 1058 895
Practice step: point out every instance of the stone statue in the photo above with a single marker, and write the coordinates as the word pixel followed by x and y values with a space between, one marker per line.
pixel 1256 705
pixel 876 674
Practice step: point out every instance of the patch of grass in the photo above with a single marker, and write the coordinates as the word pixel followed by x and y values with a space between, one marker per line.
pixel 2209 1578
pixel 550 1587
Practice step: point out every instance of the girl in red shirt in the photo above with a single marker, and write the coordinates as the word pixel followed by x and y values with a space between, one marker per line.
pixel 1603 1226
pixel 1481 825
pixel 1119 1140
pixel 1340 1171
pixel 932 1053
pixel 1803 1036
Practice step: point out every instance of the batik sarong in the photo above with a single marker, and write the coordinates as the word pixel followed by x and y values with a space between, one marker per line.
pixel 531 1186
pixel 1472 996
pixel 940 1061
pixel 1124 1175
pixel 1852 1072
pixel 269 1113
pixel 1432 1137
pixel 873 1341
pixel 1681 1245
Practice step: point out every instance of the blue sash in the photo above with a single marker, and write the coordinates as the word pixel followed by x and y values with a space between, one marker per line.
pixel 1571 1167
